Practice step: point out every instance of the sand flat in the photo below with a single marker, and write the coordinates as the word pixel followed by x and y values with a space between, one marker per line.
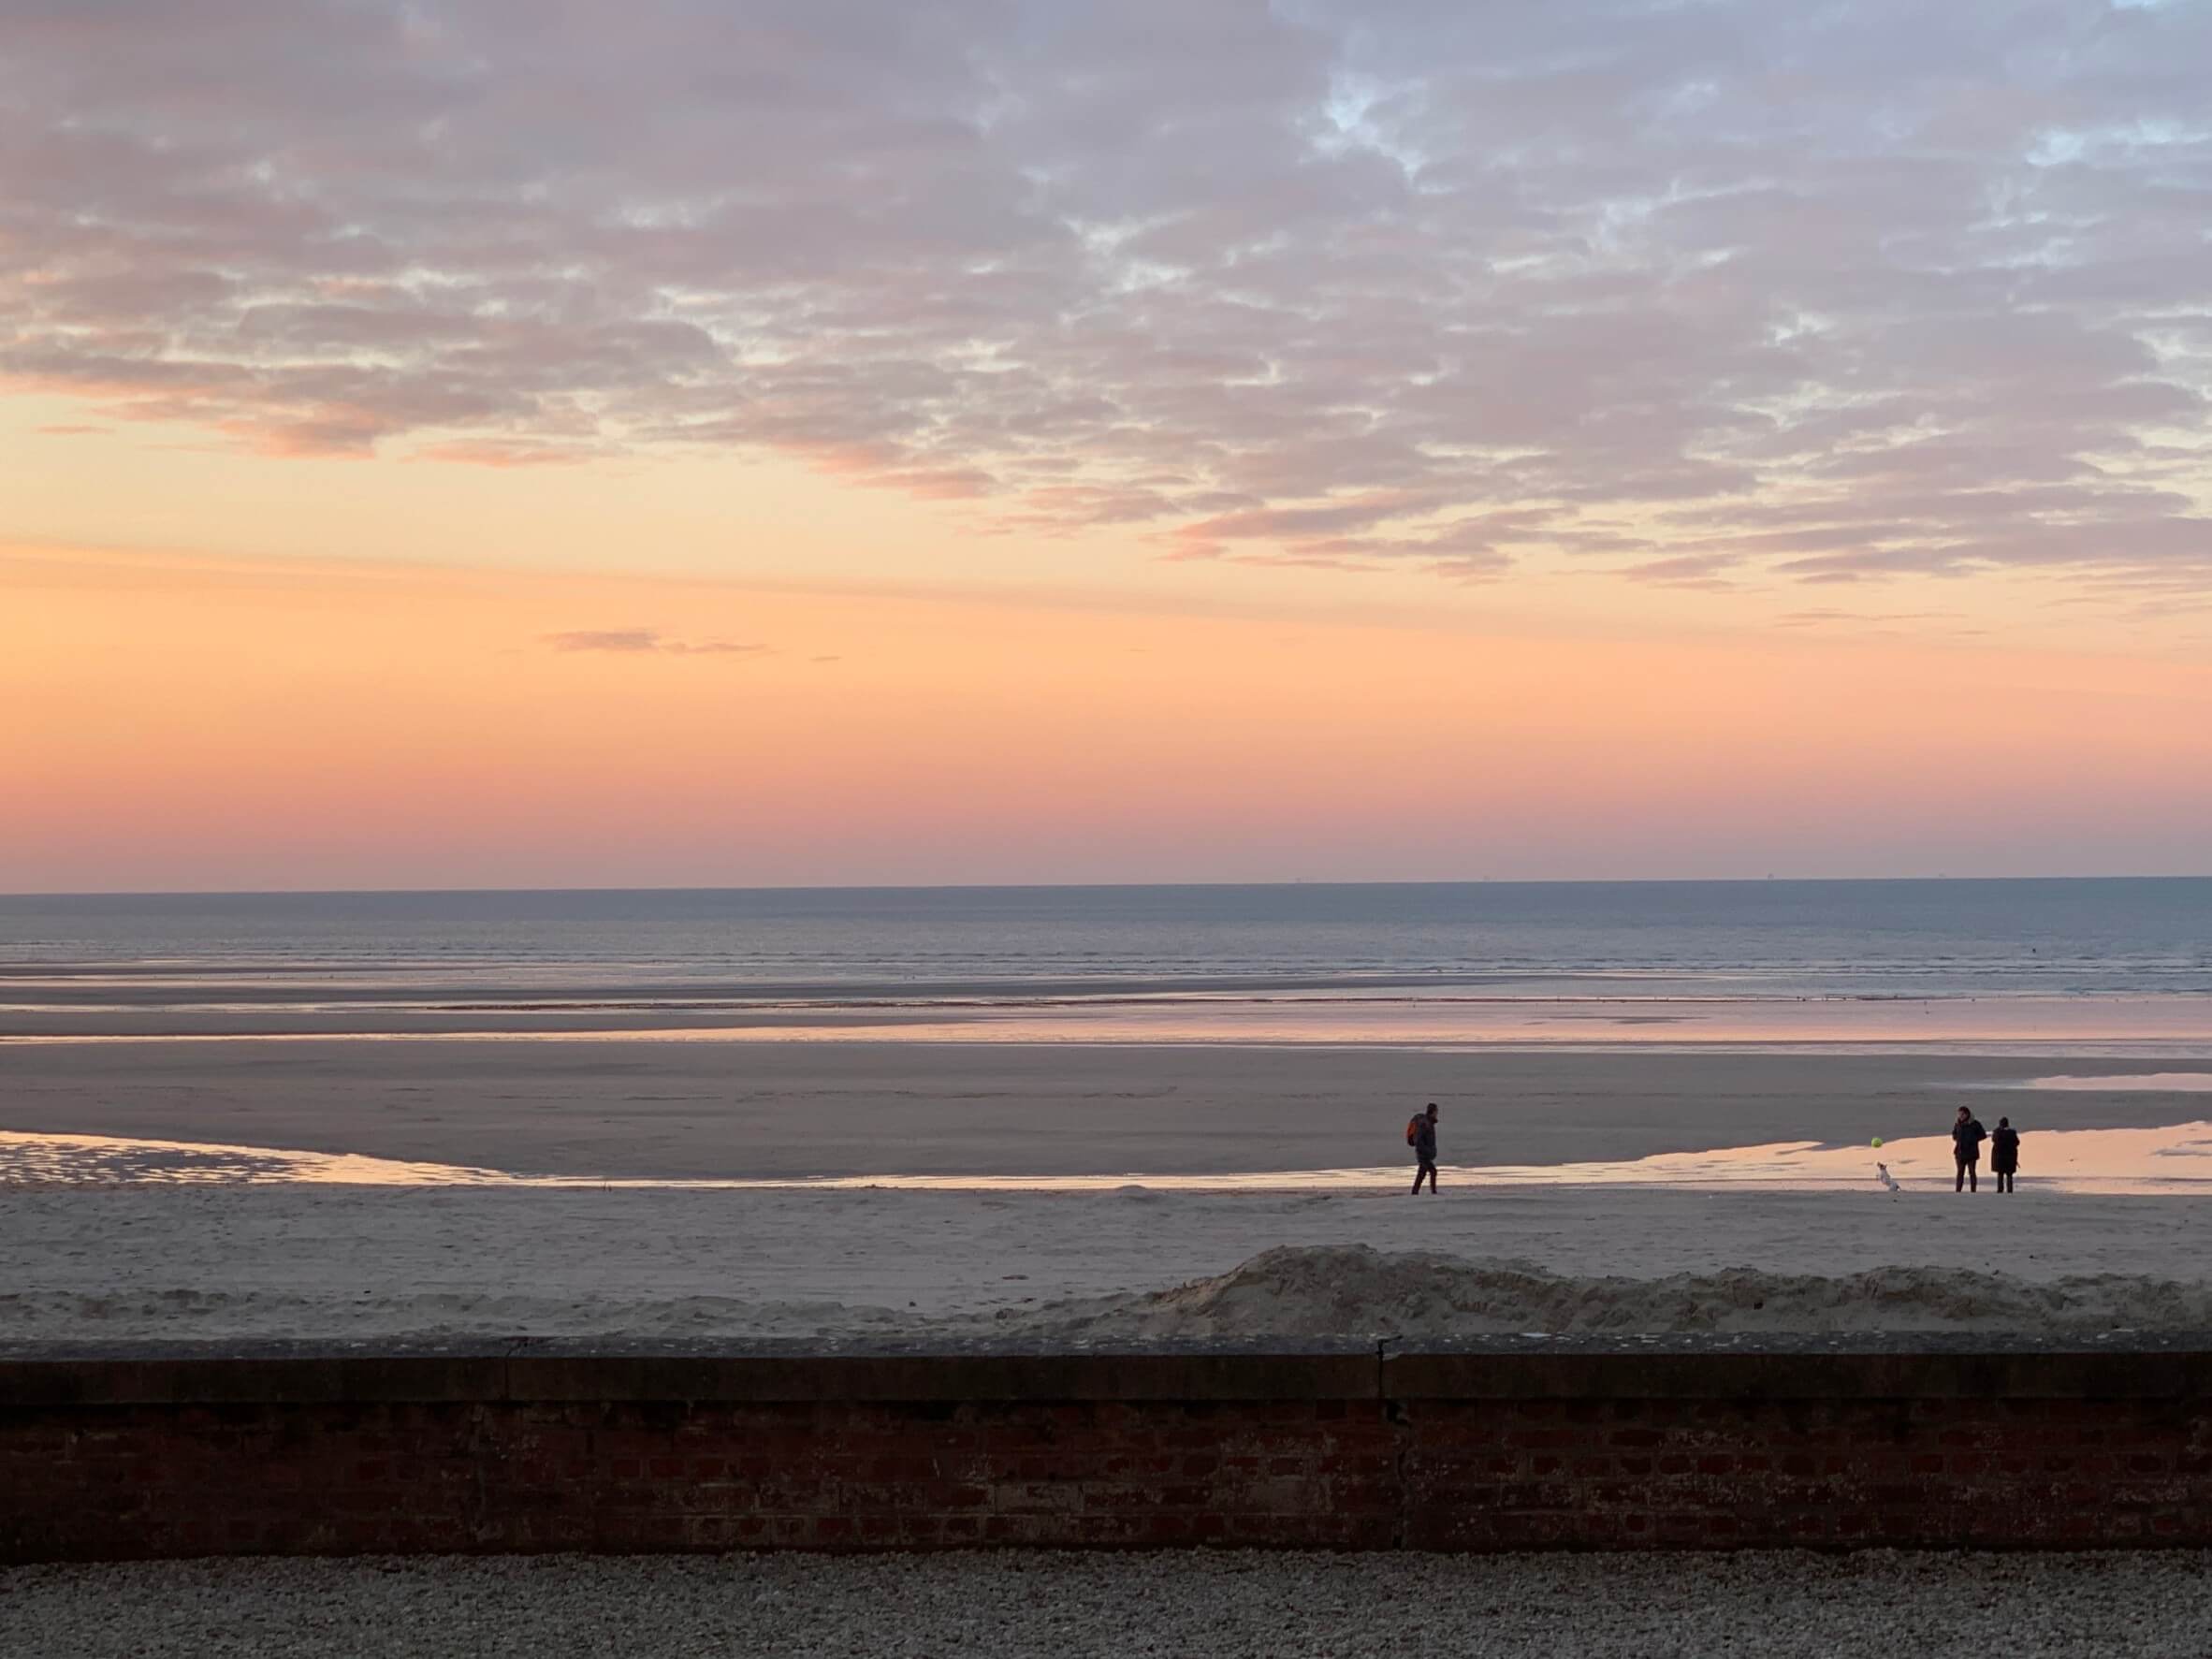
pixel 673 1111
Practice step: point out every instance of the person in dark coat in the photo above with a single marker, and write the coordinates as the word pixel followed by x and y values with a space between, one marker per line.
pixel 1424 1148
pixel 1967 1136
pixel 2004 1153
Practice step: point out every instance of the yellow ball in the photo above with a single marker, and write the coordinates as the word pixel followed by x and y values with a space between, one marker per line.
pixel 1877 1139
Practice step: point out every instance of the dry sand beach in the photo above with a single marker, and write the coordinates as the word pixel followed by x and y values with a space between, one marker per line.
pixel 362 1190
pixel 352 1263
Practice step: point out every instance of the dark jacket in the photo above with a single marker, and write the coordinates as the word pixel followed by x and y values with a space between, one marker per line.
pixel 1425 1142
pixel 1966 1140
pixel 2005 1150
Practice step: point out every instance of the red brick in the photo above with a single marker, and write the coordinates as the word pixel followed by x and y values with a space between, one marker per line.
pixel 1467 1474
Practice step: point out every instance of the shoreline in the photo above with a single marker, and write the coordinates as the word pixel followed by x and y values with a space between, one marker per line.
pixel 2110 1162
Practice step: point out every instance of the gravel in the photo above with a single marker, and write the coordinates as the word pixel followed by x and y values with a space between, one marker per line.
pixel 1074 1606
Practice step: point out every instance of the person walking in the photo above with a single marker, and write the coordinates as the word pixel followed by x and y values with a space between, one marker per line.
pixel 2004 1154
pixel 1967 1135
pixel 1421 1132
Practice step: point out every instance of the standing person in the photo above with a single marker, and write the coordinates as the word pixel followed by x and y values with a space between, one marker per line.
pixel 2004 1154
pixel 1967 1135
pixel 1423 1137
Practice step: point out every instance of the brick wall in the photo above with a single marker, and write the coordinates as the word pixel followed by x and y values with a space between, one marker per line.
pixel 1818 1473
pixel 108 1456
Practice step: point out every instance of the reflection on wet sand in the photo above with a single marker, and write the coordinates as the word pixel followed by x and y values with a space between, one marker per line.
pixel 2172 1159
pixel 2176 1025
pixel 2155 1082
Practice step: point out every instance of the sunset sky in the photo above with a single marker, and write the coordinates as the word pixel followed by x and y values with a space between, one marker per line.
pixel 507 442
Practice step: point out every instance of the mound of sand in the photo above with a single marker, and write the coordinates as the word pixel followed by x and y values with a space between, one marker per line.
pixel 1354 1290
pixel 1350 1290
pixel 218 1261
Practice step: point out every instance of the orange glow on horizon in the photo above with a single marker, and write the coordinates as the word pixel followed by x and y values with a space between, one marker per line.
pixel 191 722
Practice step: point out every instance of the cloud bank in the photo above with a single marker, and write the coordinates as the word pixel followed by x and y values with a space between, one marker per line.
pixel 1698 290
pixel 647 641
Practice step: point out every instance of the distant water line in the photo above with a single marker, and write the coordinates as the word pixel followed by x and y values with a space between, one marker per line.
pixel 1550 965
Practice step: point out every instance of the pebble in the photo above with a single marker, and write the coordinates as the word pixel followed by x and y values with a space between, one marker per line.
pixel 1078 1606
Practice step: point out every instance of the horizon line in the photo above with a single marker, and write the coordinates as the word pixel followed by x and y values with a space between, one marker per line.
pixel 1087 886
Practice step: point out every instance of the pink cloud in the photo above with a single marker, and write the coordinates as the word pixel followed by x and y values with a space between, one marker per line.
pixel 1823 294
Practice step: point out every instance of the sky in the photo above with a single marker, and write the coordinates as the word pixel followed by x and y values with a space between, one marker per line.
pixel 550 442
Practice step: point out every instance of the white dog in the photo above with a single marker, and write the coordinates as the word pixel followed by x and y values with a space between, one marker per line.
pixel 1882 1171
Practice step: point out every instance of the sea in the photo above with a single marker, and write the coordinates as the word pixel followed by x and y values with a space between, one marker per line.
pixel 2126 960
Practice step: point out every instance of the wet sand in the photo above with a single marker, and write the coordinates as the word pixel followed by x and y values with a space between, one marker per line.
pixel 795 1110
